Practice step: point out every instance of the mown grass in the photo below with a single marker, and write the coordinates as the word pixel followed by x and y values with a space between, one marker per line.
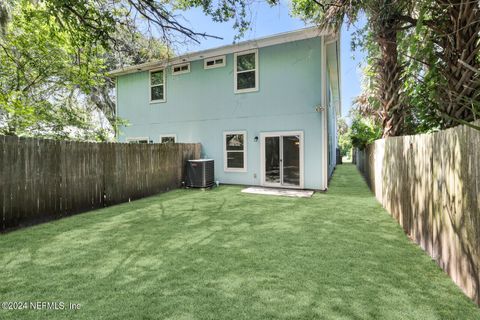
pixel 221 254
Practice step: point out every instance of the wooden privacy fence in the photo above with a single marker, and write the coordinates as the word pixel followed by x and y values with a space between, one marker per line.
pixel 47 179
pixel 430 183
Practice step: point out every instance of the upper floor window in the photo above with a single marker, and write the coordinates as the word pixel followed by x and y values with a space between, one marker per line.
pixel 214 62
pixel 157 85
pixel 168 138
pixel 181 68
pixel 246 71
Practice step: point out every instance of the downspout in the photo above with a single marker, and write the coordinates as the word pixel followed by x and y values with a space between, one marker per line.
pixel 324 114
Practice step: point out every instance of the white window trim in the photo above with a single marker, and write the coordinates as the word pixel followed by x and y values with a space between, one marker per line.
pixel 236 54
pixel 245 142
pixel 164 86
pixel 224 57
pixel 181 65
pixel 131 139
pixel 170 135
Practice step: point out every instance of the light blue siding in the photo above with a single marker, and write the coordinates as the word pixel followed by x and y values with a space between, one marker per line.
pixel 333 101
pixel 332 134
pixel 201 105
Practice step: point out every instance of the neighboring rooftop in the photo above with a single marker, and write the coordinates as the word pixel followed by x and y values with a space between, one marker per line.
pixel 290 36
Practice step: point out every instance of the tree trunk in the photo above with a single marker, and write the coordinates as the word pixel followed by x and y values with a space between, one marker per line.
pixel 390 78
pixel 459 94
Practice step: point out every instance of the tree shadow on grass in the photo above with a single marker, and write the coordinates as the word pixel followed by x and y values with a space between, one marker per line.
pixel 428 185
pixel 227 255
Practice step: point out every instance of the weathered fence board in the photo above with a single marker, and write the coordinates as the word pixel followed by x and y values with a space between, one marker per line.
pixel 430 183
pixel 46 179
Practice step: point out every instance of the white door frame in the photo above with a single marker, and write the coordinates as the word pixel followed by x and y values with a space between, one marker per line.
pixel 263 135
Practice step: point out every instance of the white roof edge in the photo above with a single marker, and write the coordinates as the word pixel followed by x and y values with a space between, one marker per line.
pixel 285 37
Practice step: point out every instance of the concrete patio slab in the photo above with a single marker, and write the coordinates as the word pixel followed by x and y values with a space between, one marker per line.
pixel 279 192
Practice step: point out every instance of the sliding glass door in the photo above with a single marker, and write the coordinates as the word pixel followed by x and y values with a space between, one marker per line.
pixel 272 160
pixel 282 156
pixel 291 160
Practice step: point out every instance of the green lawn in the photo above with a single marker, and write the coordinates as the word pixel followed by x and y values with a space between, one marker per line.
pixel 221 254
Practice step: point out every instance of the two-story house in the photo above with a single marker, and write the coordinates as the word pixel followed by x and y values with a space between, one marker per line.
pixel 265 110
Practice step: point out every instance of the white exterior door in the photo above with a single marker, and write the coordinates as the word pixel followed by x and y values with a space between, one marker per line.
pixel 282 159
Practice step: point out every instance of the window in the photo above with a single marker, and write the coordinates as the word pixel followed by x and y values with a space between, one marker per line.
pixel 235 151
pixel 137 140
pixel 168 138
pixel 214 62
pixel 157 86
pixel 181 68
pixel 246 71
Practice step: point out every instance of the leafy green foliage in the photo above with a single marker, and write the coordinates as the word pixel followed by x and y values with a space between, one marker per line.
pixel 344 139
pixel 55 55
pixel 86 22
pixel 443 52
pixel 221 11
pixel 5 7
pixel 40 71
pixel 423 59
pixel 364 131
pixel 328 13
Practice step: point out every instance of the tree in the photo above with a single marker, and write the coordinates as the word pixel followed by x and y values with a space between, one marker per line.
pixel 344 140
pixel 4 15
pixel 381 42
pixel 42 96
pixel 384 18
pixel 363 130
pixel 95 22
pixel 36 90
pixel 342 126
pixel 447 43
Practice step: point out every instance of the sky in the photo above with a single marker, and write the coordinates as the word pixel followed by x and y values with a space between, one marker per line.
pixel 265 21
